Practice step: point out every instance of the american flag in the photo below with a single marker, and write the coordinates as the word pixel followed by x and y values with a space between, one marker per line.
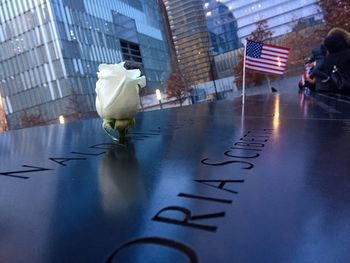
pixel 266 57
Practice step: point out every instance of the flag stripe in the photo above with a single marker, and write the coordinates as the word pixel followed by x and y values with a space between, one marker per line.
pixel 279 47
pixel 265 70
pixel 265 66
pixel 279 50
pixel 273 58
pixel 253 64
pixel 276 54
pixel 268 61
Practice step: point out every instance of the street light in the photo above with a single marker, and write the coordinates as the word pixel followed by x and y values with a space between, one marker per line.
pixel 211 72
pixel 61 119
pixel 159 98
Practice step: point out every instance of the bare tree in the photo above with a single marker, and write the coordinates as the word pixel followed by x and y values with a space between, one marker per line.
pixel 74 106
pixel 29 120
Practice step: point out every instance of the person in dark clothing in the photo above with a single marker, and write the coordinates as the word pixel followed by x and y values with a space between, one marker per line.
pixel 337 62
pixel 337 40
pixel 319 71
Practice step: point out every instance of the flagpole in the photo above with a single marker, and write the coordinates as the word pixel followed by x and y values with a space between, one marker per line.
pixel 243 88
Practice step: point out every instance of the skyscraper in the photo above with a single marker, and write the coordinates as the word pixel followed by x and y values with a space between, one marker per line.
pixel 51 50
pixel 168 36
pixel 222 26
pixel 190 36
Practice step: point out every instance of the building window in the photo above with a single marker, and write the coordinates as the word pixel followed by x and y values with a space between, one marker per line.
pixel 131 51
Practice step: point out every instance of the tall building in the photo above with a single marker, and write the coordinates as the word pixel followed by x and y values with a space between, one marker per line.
pixel 51 49
pixel 190 36
pixel 168 36
pixel 222 27
pixel 280 15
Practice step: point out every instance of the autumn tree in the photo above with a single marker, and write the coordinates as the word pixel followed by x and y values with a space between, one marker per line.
pixel 301 41
pixel 177 86
pixel 3 124
pixel 260 34
pixel 336 13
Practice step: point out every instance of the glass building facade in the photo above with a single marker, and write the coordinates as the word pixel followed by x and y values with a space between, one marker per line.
pixel 222 26
pixel 51 49
pixel 191 39
pixel 281 15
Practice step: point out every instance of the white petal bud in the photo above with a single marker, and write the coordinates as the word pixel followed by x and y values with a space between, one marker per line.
pixel 117 91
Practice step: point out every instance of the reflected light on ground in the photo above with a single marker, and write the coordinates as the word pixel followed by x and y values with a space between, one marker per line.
pixel 276 112
pixel 304 104
pixel 158 94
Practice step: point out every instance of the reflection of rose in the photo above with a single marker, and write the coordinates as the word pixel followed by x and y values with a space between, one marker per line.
pixel 119 181
pixel 117 91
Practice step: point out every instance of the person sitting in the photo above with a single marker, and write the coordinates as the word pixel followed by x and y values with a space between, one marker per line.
pixel 319 71
pixel 337 62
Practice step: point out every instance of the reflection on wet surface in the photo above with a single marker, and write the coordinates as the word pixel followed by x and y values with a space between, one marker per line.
pixel 119 192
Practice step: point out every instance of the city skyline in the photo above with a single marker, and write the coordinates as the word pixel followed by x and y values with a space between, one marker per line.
pixel 52 49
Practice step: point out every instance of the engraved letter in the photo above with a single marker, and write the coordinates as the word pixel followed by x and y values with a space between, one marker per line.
pixel 104 146
pixel 36 169
pixel 62 161
pixel 252 144
pixel 252 140
pixel 161 241
pixel 187 217
pixel 250 166
pixel 235 156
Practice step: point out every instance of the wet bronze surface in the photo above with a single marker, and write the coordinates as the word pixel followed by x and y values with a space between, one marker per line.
pixel 203 183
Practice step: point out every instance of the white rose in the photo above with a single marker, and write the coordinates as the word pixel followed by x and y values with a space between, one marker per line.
pixel 117 91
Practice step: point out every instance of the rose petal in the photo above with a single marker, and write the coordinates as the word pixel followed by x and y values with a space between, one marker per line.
pixel 133 73
pixel 142 81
